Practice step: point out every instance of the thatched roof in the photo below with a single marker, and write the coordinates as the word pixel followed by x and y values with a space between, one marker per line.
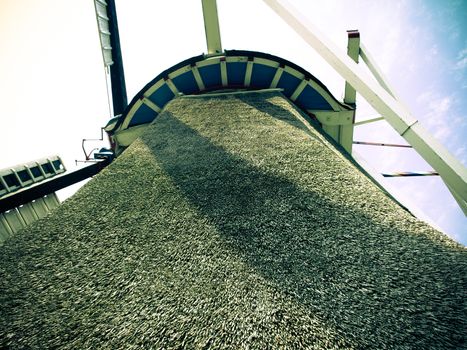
pixel 231 224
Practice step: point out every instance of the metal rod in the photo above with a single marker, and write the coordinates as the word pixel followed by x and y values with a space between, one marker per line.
pixel 380 144
pixel 86 154
pixel 411 174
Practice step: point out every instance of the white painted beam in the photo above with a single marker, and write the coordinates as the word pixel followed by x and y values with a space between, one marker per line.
pixel 367 121
pixel 332 118
pixel 376 71
pixel 211 26
pixel 353 51
pixel 350 95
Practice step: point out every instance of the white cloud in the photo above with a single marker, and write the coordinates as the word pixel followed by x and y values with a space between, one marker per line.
pixel 440 117
pixel 425 96
pixel 442 132
pixel 441 106
pixel 431 53
pixel 461 62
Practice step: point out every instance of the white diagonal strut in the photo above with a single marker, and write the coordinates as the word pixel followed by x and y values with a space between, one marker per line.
pixel 211 26
pixel 453 173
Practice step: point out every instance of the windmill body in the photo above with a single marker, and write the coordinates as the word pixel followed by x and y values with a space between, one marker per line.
pixel 229 212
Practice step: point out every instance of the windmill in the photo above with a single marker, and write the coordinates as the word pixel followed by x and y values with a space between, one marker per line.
pixel 240 70
pixel 211 239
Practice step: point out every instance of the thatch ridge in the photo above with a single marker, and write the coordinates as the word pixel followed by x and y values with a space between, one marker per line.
pixel 229 224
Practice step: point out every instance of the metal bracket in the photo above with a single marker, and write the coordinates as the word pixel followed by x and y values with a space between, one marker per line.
pixel 334 118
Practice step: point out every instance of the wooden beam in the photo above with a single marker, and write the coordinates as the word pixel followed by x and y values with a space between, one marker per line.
pixel 28 194
pixel 211 26
pixel 350 95
pixel 117 75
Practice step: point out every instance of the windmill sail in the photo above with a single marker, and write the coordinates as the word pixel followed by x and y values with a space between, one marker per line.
pixel 104 31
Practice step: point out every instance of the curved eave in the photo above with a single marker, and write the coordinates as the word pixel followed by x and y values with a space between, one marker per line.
pixel 232 70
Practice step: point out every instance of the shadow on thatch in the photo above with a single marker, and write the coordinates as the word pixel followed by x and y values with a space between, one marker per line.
pixel 377 285
pixel 225 228
pixel 280 110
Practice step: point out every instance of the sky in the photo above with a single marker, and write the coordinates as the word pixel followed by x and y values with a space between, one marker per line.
pixel 53 86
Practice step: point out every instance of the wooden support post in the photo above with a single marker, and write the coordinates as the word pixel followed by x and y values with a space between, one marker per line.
pixel 211 26
pixel 350 95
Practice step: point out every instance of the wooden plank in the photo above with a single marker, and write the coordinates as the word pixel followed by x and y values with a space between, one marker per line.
pixel 14 220
pixel 51 201
pixel 211 26
pixel 27 213
pixel 5 229
pixel 40 208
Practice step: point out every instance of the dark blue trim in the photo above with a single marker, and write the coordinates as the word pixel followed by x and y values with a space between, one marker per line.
pixel 143 115
pixel 261 78
pixel 186 83
pixel 161 96
pixel 211 75
pixel 312 99
pixel 236 72
pixel 289 83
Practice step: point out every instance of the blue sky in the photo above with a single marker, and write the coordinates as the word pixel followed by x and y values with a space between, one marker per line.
pixel 429 73
pixel 53 90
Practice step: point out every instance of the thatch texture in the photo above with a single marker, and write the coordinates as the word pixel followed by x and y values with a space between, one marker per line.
pixel 230 224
